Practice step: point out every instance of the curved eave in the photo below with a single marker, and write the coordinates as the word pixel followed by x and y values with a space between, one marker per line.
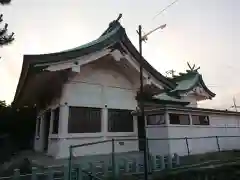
pixel 22 79
pixel 205 87
pixel 148 99
pixel 199 79
pixel 32 92
pixel 117 34
pixel 85 49
pixel 169 102
pixel 29 61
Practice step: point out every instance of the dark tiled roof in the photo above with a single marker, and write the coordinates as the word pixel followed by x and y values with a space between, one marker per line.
pixel 187 81
pixel 115 34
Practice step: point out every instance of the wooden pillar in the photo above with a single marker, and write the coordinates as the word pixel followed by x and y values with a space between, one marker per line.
pixel 167 119
pixel 63 148
pixel 51 122
pixel 104 120
pixel 63 120
pixel 167 122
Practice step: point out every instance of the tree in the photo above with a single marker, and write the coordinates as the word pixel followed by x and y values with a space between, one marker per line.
pixel 3 104
pixel 5 38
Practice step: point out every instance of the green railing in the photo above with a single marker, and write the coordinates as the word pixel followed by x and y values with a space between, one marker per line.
pixel 156 162
pixel 129 166
pixel 221 170
pixel 70 164
pixel 117 165
pixel 50 174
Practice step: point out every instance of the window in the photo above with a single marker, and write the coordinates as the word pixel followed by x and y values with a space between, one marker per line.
pixel 84 120
pixel 120 120
pixel 155 119
pixel 38 126
pixel 200 120
pixel 182 119
pixel 55 121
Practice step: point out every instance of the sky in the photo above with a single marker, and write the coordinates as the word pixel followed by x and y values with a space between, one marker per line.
pixel 202 32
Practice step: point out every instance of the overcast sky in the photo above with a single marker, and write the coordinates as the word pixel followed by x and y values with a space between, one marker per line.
pixel 203 32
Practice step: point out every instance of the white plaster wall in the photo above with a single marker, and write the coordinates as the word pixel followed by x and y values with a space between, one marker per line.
pixel 195 95
pixel 220 125
pixel 101 148
pixel 53 146
pixel 98 86
pixel 195 145
pixel 39 141
pixel 191 99
pixel 157 147
pixel 52 138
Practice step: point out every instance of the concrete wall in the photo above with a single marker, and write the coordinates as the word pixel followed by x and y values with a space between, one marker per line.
pixel 220 125
pixel 97 149
pixel 100 87
pixel 157 147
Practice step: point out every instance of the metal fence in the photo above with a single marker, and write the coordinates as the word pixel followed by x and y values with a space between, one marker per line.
pixel 118 158
pixel 115 157
pixel 62 173
pixel 227 170
pixel 193 145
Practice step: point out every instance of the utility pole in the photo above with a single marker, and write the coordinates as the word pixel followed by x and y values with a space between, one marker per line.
pixel 141 100
pixel 141 103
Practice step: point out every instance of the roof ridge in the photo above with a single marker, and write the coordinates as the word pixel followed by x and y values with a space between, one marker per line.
pixel 113 25
pixel 183 76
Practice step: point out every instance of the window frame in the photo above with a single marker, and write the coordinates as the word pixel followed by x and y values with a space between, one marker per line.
pixel 85 125
pixel 200 115
pixel 54 120
pixel 109 129
pixel 180 114
pixel 156 124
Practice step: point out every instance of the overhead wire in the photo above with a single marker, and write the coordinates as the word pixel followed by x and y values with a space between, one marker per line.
pixel 165 9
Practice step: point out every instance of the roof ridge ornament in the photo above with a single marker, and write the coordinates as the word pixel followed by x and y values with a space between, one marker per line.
pixel 119 17
pixel 192 68
pixel 170 73
pixel 112 25
pixel 115 21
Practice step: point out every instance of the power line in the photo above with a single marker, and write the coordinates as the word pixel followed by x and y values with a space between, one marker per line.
pixel 165 9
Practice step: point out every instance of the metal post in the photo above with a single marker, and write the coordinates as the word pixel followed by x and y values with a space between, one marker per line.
pixel 16 174
pixel 34 173
pixel 142 103
pixel 50 174
pixel 218 144
pixel 186 140
pixel 148 157
pixel 113 160
pixel 70 163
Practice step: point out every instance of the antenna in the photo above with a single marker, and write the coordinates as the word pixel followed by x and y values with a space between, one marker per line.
pixel 234 104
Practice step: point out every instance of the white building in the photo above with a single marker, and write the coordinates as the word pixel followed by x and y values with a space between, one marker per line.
pixel 89 94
